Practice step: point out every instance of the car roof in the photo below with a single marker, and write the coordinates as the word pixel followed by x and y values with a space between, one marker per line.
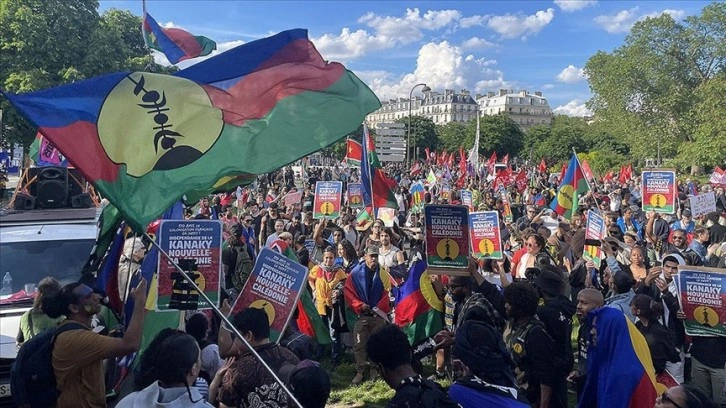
pixel 48 232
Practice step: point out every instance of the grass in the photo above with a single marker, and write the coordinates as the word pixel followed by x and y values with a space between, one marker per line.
pixel 369 394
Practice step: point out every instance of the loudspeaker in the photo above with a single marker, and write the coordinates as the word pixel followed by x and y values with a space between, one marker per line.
pixel 82 200
pixel 24 202
pixel 52 189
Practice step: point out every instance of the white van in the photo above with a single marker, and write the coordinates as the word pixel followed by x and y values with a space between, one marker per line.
pixel 35 244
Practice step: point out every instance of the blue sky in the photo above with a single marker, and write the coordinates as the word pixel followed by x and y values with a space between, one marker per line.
pixel 476 45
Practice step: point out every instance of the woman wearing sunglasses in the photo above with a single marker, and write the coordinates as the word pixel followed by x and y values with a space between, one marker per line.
pixel 683 396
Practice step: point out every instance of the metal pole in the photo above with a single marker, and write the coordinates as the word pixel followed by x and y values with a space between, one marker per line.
pixel 408 142
pixel 226 321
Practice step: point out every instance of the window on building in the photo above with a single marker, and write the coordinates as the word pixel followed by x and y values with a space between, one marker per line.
pixel 531 101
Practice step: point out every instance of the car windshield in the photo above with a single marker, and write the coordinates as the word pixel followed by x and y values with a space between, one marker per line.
pixel 29 262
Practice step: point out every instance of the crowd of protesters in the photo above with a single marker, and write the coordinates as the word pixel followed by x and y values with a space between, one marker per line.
pixel 518 331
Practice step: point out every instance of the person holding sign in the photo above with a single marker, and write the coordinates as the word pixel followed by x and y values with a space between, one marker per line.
pixel 328 282
pixel 367 293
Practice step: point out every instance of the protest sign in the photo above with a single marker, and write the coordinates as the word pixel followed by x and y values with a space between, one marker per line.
pixel 447 235
pixel 703 204
pixel 387 215
pixel 702 300
pixel 292 199
pixel 196 246
pixel 417 197
pixel 467 199
pixel 446 192
pixel 273 286
pixel 486 240
pixel 326 203
pixel 355 195
pixel 659 191
pixel 594 230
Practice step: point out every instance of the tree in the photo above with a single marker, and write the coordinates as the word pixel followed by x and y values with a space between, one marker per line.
pixel 423 134
pixel 709 137
pixel 46 43
pixel 452 135
pixel 646 90
pixel 497 133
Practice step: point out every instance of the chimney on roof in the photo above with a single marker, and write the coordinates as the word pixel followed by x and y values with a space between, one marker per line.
pixel 523 92
pixel 502 92
pixel 538 93
pixel 448 92
pixel 479 96
pixel 490 94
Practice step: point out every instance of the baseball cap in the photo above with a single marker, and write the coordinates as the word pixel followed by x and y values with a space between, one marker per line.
pixel 372 250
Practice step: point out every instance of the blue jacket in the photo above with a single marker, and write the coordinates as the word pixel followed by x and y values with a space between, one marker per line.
pixel 636 225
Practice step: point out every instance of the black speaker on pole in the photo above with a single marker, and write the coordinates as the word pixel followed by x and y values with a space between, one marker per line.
pixel 52 187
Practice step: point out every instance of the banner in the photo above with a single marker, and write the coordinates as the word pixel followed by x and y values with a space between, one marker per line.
pixel 311 247
pixel 355 195
pixel 702 300
pixel 327 199
pixel 486 240
pixel 595 230
pixel 292 199
pixel 417 197
pixel 273 286
pixel 659 191
pixel 703 204
pixel 446 192
pixel 447 235
pixel 196 246
pixel 387 215
pixel 467 199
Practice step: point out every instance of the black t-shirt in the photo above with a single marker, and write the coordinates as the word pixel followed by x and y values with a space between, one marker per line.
pixel 710 351
pixel 418 392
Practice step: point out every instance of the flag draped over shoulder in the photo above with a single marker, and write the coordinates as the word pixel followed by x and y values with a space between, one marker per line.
pixel 419 312
pixel 572 187
pixel 177 44
pixel 620 371
pixel 146 139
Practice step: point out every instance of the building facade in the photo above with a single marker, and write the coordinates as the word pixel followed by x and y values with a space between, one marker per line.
pixel 524 108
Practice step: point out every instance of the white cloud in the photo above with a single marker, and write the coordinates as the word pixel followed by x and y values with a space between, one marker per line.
pixel 514 26
pixel 476 43
pixel 441 66
pixel 548 86
pixel 387 32
pixel 573 108
pixel 571 74
pixel 473 21
pixel 160 58
pixel 574 5
pixel 623 20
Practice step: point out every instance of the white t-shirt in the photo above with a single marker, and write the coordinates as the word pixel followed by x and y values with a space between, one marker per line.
pixel 388 259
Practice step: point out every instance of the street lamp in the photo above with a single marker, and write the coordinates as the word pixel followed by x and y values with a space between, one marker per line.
pixel 410 106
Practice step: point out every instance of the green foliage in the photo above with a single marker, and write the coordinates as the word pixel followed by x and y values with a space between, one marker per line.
pixel 452 135
pixel 497 133
pixel 653 89
pixel 46 43
pixel 423 134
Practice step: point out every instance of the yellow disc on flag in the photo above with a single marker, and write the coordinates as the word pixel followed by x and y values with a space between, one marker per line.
pixel 447 249
pixel 201 282
pixel 355 200
pixel 565 196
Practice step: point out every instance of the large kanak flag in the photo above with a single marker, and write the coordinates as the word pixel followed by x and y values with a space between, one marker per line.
pixel 353 152
pixel 147 139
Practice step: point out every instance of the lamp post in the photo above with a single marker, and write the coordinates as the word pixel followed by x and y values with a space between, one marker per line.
pixel 410 107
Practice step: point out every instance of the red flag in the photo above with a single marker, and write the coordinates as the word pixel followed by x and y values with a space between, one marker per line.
pixel 608 177
pixel 542 166
pixel 416 168
pixel 440 159
pixel 622 177
pixel 490 163
pixel 450 164
pixel 428 155
pixel 353 152
pixel 586 171
pixel 505 160
pixel 629 171
pixel 461 182
pixel 521 181
pixel 562 173
pixel 501 180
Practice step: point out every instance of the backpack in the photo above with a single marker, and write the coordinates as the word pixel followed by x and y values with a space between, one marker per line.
pixel 32 379
pixel 242 269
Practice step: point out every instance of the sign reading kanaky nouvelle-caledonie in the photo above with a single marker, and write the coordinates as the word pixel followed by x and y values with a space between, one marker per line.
pixel 326 203
pixel 703 300
pixel 447 236
pixel 274 286
pixel 659 191
pixel 486 240
pixel 196 246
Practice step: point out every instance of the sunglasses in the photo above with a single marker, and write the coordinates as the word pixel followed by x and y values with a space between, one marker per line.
pixel 679 237
pixel 665 398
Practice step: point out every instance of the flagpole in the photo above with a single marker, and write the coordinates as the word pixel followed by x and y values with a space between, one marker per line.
pixel 225 320
pixel 366 136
